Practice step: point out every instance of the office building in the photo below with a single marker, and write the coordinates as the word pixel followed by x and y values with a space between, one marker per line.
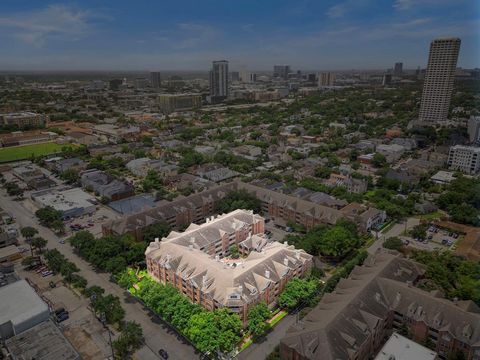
pixel 378 298
pixel 474 130
pixel 464 158
pixel 198 263
pixel 235 76
pixel 387 79
pixel 22 119
pixel 114 84
pixel 155 80
pixel 69 202
pixel 141 83
pixel 281 71
pixel 326 79
pixel 219 81
pixel 398 69
pixel 439 78
pixel 169 103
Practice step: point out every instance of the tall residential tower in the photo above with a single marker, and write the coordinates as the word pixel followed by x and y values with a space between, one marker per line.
pixel 219 81
pixel 438 85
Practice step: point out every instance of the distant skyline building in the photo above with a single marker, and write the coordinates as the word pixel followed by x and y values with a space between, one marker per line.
pixel 155 79
pixel 387 79
pixel 219 80
pixel 141 83
pixel 439 78
pixel 281 71
pixel 398 69
pixel 326 79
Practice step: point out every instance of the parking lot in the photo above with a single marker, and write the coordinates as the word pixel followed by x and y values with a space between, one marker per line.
pixel 92 222
pixel 77 322
pixel 443 237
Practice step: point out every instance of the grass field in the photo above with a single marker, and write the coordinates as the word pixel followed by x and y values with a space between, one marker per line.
pixel 25 152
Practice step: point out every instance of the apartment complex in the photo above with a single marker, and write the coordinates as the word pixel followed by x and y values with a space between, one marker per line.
pixel 464 158
pixel 219 80
pixel 439 78
pixel 279 207
pixel 169 103
pixel 376 299
pixel 197 263
pixel 22 119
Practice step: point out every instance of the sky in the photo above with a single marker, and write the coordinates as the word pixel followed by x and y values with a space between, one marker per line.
pixel 255 34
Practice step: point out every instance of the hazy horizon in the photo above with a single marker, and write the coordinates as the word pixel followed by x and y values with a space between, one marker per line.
pixel 187 35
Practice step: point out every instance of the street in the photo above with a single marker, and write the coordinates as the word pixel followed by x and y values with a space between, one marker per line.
pixel 157 336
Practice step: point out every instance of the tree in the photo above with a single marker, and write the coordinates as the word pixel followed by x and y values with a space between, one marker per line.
pixel 296 292
pixel 39 243
pixel 28 233
pixel 234 252
pixel 153 182
pixel 393 243
pixel 159 230
pixel 70 176
pixel 239 200
pixel 419 232
pixel 49 217
pixel 379 160
pixel 13 189
pixel 130 339
pixel 257 319
pixel 217 330
pixel 127 278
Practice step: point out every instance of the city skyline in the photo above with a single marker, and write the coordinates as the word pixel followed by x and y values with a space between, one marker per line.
pixel 188 36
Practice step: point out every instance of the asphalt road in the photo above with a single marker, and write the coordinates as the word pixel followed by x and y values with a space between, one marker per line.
pixel 157 335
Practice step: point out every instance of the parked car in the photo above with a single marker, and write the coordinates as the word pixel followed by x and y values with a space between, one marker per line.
pixel 52 284
pixel 163 354
pixel 62 317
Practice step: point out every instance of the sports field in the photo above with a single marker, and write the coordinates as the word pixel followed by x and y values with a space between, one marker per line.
pixel 25 152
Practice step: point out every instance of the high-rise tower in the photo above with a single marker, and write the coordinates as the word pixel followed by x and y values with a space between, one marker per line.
pixel 219 80
pixel 439 77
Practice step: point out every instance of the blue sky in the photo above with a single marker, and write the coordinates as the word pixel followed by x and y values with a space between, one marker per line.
pixel 188 35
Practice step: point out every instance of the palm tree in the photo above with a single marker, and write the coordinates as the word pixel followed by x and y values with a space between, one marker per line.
pixel 28 233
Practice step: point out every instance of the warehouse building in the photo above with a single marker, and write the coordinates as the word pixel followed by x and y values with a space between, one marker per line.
pixel 20 309
pixel 70 202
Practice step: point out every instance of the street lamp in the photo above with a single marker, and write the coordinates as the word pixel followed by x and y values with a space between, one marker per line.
pixel 103 320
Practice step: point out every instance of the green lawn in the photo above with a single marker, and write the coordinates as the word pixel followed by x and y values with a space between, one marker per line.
pixel 25 152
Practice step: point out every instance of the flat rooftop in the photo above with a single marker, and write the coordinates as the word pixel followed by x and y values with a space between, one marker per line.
pixel 399 347
pixel 19 302
pixel 42 342
pixel 66 200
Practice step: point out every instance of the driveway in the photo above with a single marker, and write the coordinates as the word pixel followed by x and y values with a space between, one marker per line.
pixel 157 336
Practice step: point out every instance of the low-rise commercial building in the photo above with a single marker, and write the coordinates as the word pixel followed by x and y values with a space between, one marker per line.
pixel 70 202
pixel 22 119
pixel 9 253
pixel 43 341
pixel 169 103
pixel 464 158
pixel 20 309
pixel 197 263
pixel 106 185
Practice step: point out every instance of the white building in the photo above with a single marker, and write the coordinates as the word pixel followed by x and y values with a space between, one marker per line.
pixel 20 309
pixel 71 202
pixel 399 347
pixel 219 80
pixel 464 158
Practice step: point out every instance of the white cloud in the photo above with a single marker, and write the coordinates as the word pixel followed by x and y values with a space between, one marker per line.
pixel 337 11
pixel 36 27
pixel 403 4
